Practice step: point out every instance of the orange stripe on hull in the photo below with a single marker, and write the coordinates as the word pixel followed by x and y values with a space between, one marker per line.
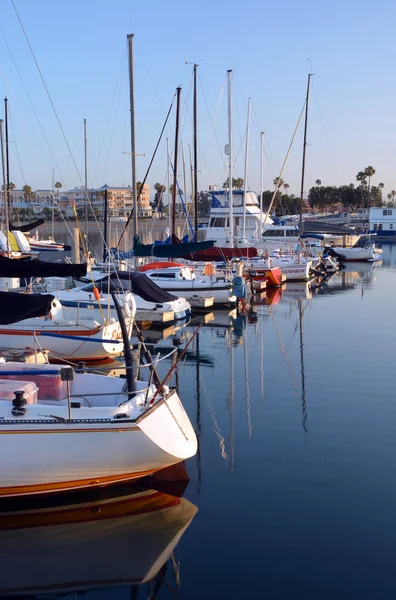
pixel 46 488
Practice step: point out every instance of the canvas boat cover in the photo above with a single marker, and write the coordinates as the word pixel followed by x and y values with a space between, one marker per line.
pixel 174 250
pixel 144 287
pixel 28 226
pixel 32 267
pixel 16 307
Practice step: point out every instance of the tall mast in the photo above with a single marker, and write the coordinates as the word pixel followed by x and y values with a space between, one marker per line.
pixel 4 186
pixel 195 156
pixel 184 177
pixel 261 181
pixel 304 147
pixel 168 179
pixel 230 196
pixel 246 167
pixel 53 205
pixel 133 139
pixel 178 90
pixel 105 218
pixel 85 177
pixel 6 152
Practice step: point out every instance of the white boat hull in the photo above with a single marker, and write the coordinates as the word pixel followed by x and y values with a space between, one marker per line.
pixel 295 271
pixel 20 337
pixel 349 254
pixel 40 454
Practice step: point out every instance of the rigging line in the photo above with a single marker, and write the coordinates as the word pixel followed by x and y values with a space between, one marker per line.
pixel 34 111
pixel 283 167
pixel 123 58
pixel 212 121
pixel 110 141
pixel 336 170
pixel 16 147
pixel 147 172
pixel 52 105
pixel 184 111
pixel 149 74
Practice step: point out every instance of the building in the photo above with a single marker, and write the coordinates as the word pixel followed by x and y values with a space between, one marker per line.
pixel 383 223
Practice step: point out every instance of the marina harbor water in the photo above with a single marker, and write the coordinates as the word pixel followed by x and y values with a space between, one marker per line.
pixel 291 491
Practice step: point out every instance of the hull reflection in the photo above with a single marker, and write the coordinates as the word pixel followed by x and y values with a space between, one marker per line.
pixel 84 545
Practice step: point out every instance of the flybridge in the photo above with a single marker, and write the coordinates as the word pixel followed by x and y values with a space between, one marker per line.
pixel 220 198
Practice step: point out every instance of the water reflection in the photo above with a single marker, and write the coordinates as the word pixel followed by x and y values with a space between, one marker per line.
pixel 121 536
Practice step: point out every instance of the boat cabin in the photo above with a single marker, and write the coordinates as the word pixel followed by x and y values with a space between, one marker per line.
pixel 383 222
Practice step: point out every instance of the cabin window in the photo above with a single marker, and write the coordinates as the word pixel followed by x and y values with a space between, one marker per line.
pixel 166 275
pixel 274 233
pixel 218 222
pixel 390 225
pixel 291 233
pixel 386 211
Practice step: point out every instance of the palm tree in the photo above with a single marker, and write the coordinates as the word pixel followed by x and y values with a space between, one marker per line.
pixel 381 187
pixel 393 194
pixel 369 172
pixel 27 190
pixel 362 178
pixel 278 181
pixel 286 187
pixel 318 182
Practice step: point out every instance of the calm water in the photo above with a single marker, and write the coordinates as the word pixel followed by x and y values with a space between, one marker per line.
pixel 295 480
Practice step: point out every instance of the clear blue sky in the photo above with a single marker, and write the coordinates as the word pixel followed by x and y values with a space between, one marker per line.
pixel 81 49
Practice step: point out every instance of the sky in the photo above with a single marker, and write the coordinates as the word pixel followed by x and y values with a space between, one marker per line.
pixel 81 51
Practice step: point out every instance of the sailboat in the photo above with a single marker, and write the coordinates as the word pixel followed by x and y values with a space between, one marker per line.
pixel 73 339
pixel 60 429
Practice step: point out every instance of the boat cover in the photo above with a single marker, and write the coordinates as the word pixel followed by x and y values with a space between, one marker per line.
pixel 174 250
pixel 16 307
pixel 28 226
pixel 32 267
pixel 216 254
pixel 144 287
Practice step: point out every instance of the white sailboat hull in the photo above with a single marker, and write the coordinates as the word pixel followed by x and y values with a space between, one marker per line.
pixel 40 454
pixel 295 271
pixel 71 348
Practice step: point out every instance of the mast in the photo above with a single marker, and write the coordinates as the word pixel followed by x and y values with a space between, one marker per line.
pixel 261 181
pixel 133 138
pixel 304 147
pixel 6 152
pixel 85 177
pixel 105 217
pixel 168 192
pixel 4 186
pixel 246 167
pixel 184 178
pixel 173 231
pixel 230 196
pixel 53 205
pixel 195 157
